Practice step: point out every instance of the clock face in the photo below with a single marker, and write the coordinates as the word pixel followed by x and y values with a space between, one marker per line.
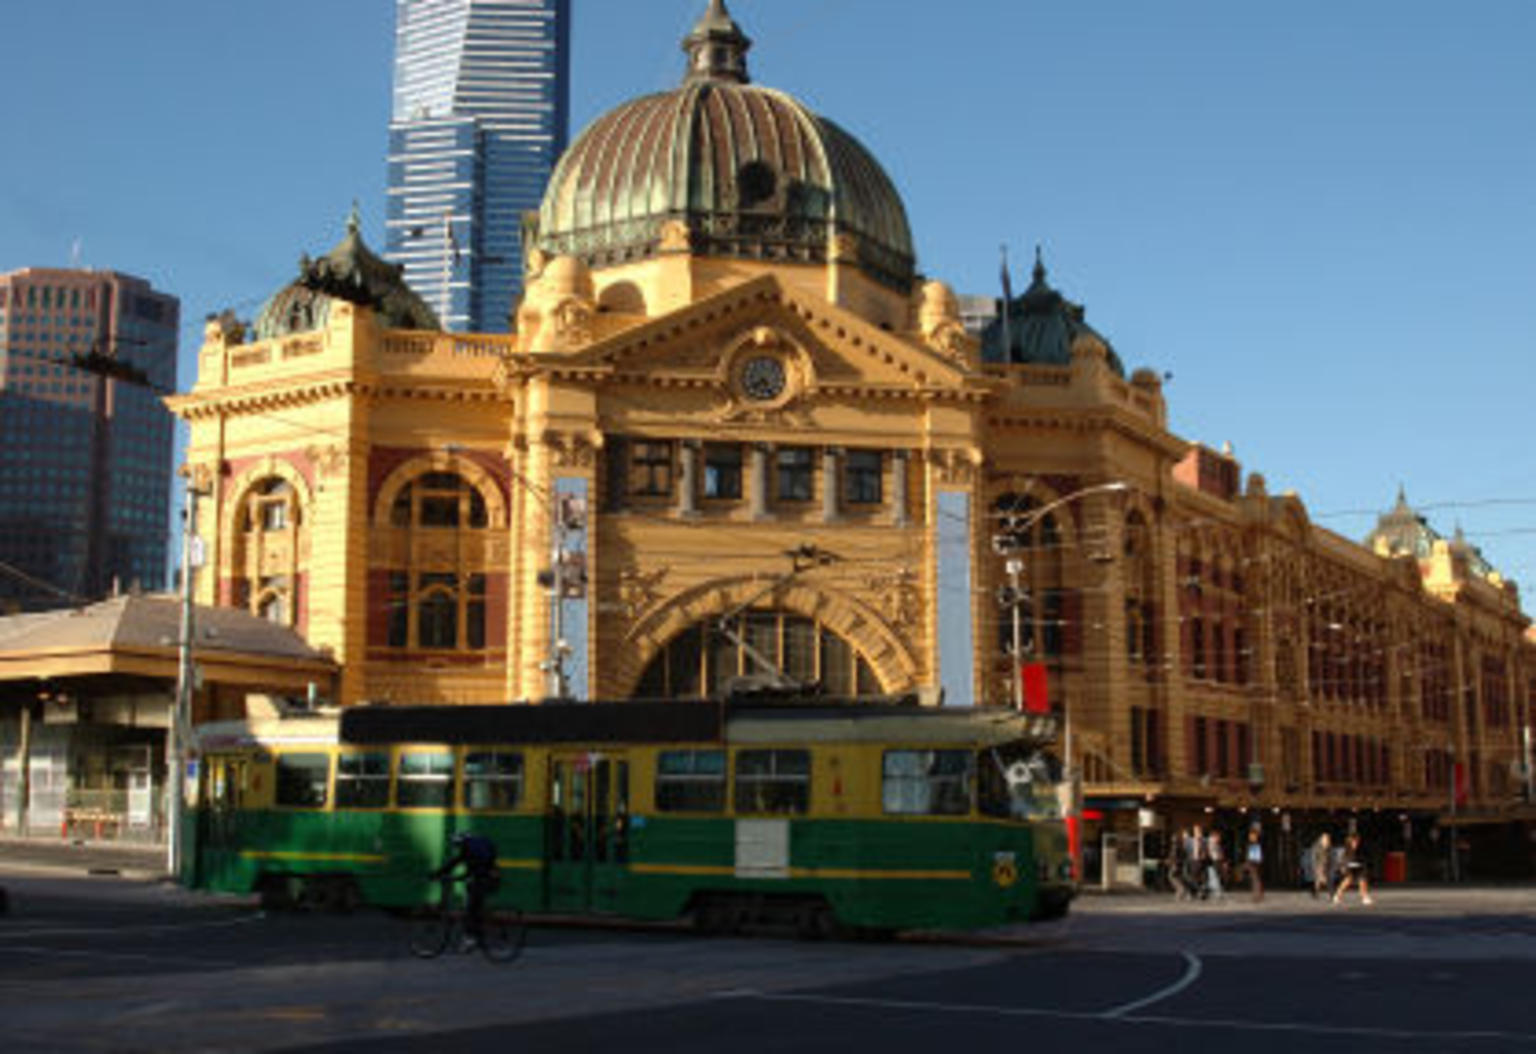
pixel 762 378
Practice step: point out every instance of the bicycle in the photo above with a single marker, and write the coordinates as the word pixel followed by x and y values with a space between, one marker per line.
pixel 502 934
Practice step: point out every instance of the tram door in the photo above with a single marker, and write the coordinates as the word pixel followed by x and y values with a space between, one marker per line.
pixel 586 840
pixel 219 800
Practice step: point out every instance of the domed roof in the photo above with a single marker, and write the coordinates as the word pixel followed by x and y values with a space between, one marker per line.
pixel 1040 328
pixel 723 167
pixel 349 272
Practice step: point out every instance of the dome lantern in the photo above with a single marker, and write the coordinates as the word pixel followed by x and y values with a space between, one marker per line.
pixel 717 48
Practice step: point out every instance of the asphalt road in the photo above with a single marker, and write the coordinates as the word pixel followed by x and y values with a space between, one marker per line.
pixel 114 962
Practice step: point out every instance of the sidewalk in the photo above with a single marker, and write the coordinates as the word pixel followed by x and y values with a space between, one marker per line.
pixel 84 857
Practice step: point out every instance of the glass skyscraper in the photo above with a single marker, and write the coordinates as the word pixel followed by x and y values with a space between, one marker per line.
pixel 480 115
pixel 85 481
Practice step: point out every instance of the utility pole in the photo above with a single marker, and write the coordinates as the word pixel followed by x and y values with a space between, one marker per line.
pixel 566 577
pixel 178 729
pixel 1455 786
pixel 1015 568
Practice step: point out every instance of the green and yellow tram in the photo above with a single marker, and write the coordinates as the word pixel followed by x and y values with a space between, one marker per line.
pixel 822 815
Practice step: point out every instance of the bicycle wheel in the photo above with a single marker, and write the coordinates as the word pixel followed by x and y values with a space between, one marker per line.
pixel 431 935
pixel 504 937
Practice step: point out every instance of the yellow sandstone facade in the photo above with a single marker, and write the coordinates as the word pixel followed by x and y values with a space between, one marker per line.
pixel 743 437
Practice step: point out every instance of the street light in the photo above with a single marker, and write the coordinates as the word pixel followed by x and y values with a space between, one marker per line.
pixel 178 732
pixel 1015 567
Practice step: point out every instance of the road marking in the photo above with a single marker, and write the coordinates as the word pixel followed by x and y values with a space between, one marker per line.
pixel 1299 1028
pixel 48 950
pixel 1191 975
pixel 162 927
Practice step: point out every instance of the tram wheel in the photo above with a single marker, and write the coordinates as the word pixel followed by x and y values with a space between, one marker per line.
pixel 817 922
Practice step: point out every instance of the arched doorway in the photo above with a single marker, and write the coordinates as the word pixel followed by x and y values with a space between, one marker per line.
pixel 702 659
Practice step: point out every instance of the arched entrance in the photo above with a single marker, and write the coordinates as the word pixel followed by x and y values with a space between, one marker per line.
pixel 703 658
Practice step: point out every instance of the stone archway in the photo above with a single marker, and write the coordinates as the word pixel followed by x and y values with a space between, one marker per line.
pixel 891 658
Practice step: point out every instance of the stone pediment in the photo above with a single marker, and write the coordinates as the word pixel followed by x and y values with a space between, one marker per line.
pixel 761 342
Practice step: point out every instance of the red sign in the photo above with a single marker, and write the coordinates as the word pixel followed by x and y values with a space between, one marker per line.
pixel 1037 691
pixel 1459 781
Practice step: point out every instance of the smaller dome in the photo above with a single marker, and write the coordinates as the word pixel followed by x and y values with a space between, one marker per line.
pixel 351 272
pixel 1041 326
pixel 568 275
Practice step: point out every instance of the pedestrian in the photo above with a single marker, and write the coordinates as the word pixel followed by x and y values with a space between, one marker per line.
pixel 1215 862
pixel 1321 858
pixel 1253 864
pixel 1352 864
pixel 1195 862
pixel 1177 864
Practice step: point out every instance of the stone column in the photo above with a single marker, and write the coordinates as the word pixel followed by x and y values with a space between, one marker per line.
pixel 899 516
pixel 757 482
pixel 831 484
pixel 688 486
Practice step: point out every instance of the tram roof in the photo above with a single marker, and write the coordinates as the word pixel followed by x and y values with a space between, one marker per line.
pixel 640 721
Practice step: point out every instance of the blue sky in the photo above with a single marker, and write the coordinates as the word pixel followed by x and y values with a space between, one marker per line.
pixel 1319 217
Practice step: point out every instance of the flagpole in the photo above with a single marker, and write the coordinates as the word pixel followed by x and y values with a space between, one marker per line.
pixel 1007 299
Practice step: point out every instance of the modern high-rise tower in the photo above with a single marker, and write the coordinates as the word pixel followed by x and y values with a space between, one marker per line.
pixel 86 476
pixel 480 116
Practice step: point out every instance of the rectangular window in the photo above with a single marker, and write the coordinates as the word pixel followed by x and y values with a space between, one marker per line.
pixel 722 470
pixel 773 781
pixel 425 780
pixel 362 780
pixel 796 474
pixel 493 780
pixel 399 609
pixel 302 780
pixel 650 468
pixel 862 477
pixel 690 781
pixel 927 782
pixel 474 612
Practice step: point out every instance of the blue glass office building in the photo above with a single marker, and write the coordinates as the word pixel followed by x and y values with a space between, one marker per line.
pixel 480 116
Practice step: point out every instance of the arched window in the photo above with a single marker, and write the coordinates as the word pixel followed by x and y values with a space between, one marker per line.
pixel 705 658
pixel 267 549
pixel 435 594
pixel 438 499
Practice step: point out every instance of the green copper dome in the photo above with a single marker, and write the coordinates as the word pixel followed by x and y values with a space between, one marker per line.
pixel 723 167
pixel 1041 326
pixel 351 272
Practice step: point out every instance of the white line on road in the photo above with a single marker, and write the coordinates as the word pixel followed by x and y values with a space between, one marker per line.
pixel 97 931
pixel 1300 1028
pixel 1191 975
pixel 78 953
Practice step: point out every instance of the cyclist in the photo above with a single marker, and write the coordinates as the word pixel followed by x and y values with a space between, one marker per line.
pixel 477 855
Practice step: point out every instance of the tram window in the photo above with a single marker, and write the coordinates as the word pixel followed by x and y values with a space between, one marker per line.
pixel 773 781
pixel 426 780
pixel 690 781
pixel 302 779
pixel 927 782
pixel 493 779
pixel 362 780
pixel 1019 783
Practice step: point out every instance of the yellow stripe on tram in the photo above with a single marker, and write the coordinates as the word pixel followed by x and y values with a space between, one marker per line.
pixel 681 869
pixel 299 854
pixel 861 874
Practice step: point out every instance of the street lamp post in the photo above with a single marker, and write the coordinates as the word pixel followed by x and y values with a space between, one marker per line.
pixel 178 729
pixel 1015 566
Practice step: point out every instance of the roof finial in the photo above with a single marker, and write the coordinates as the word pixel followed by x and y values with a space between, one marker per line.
pixel 1039 271
pixel 354 219
pixel 716 47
